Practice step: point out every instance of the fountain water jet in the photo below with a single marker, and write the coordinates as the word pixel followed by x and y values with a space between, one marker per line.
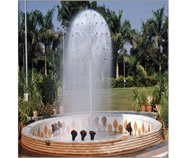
pixel 87 63
pixel 85 58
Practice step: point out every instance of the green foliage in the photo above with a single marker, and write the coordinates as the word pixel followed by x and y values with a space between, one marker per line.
pixel 49 92
pixel 25 107
pixel 164 109
pixel 137 98
pixel 21 82
pixel 161 88
pixel 143 96
pixel 149 81
pixel 22 117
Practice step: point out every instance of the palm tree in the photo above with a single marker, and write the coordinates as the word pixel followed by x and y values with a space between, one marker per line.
pixel 121 33
pixel 135 68
pixel 158 29
pixel 34 47
pixel 48 37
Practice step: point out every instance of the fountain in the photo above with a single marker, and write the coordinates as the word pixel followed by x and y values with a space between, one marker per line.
pixel 81 130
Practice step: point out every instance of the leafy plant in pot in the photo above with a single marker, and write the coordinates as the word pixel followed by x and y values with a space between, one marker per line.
pixel 137 99
pixel 149 103
pixel 157 98
pixel 143 101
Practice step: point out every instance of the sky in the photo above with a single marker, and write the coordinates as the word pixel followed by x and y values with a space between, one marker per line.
pixel 136 11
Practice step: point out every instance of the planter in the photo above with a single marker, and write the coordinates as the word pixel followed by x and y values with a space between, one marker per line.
pixel 54 110
pixel 158 108
pixel 143 107
pixel 149 108
pixel 35 114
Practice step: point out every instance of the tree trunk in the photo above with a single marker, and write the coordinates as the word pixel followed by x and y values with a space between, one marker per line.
pixel 45 66
pixel 117 68
pixel 160 67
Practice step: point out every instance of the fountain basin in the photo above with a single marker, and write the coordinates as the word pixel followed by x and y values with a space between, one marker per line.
pixel 111 139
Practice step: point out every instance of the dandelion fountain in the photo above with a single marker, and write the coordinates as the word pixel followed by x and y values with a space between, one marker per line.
pixel 81 130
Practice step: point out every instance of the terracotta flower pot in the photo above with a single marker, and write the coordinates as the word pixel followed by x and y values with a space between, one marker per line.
pixel 35 114
pixel 143 108
pixel 149 108
pixel 54 110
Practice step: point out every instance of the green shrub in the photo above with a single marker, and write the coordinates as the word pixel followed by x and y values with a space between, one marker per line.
pixel 129 81
pixel 137 98
pixel 139 82
pixel 25 107
pixel 143 96
pixel 164 110
pixel 114 83
pixel 150 81
pixel 49 92
pixel 22 117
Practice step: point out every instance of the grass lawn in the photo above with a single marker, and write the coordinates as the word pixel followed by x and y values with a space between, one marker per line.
pixel 122 98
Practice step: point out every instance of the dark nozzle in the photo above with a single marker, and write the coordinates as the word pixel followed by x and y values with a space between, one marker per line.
pixel 92 134
pixel 74 134
pixel 129 128
pixel 83 134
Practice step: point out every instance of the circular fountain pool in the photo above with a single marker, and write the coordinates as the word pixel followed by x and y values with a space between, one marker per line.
pixel 111 137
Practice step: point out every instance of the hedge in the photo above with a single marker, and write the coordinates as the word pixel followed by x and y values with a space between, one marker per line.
pixel 134 82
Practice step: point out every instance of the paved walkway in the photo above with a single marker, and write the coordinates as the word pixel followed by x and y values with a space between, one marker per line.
pixel 158 150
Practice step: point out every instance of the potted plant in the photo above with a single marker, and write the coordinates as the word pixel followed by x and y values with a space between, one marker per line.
pixel 137 99
pixel 143 101
pixel 35 107
pixel 149 103
pixel 157 98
